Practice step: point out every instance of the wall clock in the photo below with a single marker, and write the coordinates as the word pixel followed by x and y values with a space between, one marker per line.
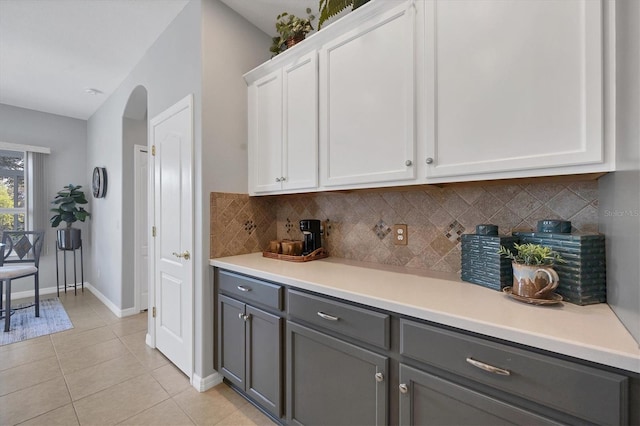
pixel 99 182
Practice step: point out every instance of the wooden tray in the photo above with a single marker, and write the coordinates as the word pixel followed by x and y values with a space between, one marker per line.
pixel 320 253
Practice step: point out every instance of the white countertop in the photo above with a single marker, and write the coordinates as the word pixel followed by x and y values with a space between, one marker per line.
pixel 591 333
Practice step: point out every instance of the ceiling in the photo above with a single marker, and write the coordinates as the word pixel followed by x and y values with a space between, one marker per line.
pixel 51 51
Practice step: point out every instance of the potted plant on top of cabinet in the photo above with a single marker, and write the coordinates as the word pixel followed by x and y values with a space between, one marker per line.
pixel 329 8
pixel 67 210
pixel 292 30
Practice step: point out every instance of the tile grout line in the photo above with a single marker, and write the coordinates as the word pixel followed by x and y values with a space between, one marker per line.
pixel 64 377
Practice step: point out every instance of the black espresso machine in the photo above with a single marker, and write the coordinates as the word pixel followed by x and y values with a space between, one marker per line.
pixel 311 230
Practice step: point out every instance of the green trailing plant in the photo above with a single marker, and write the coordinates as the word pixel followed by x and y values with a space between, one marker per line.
pixel 531 254
pixel 329 8
pixel 67 209
pixel 290 27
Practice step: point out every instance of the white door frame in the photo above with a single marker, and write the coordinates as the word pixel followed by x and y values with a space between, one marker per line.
pixel 137 243
pixel 153 282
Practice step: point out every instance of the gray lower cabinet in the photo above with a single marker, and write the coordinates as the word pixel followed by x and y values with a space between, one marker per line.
pixel 341 358
pixel 250 351
pixel 429 400
pixel 333 382
pixel 587 394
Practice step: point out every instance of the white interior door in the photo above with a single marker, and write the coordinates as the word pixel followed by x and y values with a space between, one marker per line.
pixel 172 136
pixel 141 167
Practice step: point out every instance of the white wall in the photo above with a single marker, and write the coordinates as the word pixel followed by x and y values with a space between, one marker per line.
pixel 205 51
pixel 169 71
pixel 619 205
pixel 67 138
pixel 231 46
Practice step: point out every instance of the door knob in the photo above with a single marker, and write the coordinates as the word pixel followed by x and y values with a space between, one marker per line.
pixel 379 377
pixel 408 163
pixel 403 388
pixel 429 160
pixel 184 255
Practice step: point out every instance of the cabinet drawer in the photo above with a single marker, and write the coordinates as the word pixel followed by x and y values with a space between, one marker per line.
pixel 362 324
pixel 250 289
pixel 578 390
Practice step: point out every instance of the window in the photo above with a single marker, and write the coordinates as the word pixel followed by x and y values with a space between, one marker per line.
pixel 13 194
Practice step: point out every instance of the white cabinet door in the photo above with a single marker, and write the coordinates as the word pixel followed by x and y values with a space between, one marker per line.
pixel 367 102
pixel 513 85
pixel 300 150
pixel 265 133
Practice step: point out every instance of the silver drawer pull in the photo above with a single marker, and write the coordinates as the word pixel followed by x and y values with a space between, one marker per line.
pixel 327 317
pixel 489 368
pixel 243 288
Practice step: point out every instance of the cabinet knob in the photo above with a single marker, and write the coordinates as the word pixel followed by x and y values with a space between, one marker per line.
pixel 379 377
pixel 408 163
pixel 277 179
pixel 429 160
pixel 403 388
pixel 282 179
pixel 241 316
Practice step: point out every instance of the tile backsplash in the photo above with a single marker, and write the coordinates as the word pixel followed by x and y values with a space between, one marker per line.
pixel 358 224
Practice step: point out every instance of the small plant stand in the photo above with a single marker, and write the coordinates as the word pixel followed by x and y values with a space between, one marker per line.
pixel 75 268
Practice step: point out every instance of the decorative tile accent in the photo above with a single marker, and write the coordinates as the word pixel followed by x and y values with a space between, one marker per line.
pixel 240 224
pixel 381 229
pixel 436 217
pixel 289 226
pixel 454 231
pixel 249 226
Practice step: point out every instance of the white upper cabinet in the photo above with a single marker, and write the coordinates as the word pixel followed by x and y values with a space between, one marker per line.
pixel 300 156
pixel 265 133
pixel 283 130
pixel 515 87
pixel 367 101
pixel 434 91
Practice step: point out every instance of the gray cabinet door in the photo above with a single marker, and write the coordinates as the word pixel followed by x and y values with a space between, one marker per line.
pixel 263 359
pixel 429 400
pixel 232 340
pixel 332 382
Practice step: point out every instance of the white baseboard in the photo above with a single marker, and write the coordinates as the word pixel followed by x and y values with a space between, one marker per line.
pixel 30 293
pixel 204 384
pixel 53 290
pixel 148 339
pixel 109 304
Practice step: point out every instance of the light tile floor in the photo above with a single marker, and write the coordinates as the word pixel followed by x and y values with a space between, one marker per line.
pixel 102 373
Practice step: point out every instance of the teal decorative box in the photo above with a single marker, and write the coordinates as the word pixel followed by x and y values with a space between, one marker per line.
pixel 583 277
pixel 481 263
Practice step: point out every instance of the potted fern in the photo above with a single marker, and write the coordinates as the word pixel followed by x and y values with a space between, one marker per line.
pixel 67 210
pixel 291 30
pixel 529 262
pixel 330 8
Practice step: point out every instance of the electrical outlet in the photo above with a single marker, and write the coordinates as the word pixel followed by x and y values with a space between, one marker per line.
pixel 400 235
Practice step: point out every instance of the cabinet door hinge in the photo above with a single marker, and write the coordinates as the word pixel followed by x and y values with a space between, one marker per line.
pixel 153 231
pixel 153 312
pixel 153 150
